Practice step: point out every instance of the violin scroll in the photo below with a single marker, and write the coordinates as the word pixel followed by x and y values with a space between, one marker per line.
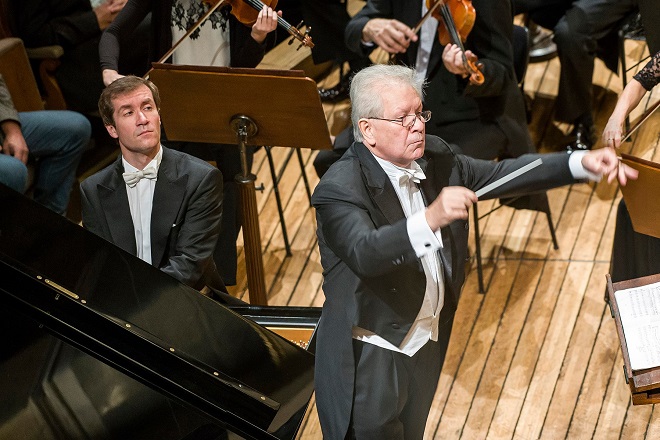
pixel 455 22
pixel 304 38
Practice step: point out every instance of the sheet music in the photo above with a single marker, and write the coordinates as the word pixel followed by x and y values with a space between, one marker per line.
pixel 639 309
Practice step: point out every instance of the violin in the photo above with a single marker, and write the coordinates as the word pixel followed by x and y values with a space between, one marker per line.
pixel 455 21
pixel 247 11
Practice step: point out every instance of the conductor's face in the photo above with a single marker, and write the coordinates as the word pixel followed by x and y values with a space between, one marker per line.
pixel 137 123
pixel 399 136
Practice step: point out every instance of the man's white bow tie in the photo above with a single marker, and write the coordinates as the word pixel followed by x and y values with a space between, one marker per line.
pixel 414 175
pixel 132 179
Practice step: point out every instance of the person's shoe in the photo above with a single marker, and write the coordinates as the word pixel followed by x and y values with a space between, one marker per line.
pixel 541 48
pixel 584 138
pixel 338 92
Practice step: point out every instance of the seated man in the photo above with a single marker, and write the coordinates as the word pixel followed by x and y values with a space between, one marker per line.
pixel 54 138
pixel 161 205
pixel 392 232
pixel 583 30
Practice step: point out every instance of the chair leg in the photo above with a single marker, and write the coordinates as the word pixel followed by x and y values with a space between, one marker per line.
pixel 552 229
pixel 278 199
pixel 477 242
pixel 624 70
pixel 304 176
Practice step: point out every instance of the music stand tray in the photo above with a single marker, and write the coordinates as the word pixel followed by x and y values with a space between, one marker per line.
pixel 644 384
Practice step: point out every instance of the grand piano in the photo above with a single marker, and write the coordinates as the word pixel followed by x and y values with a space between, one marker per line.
pixel 97 344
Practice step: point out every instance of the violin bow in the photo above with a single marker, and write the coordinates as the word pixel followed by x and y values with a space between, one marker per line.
pixel 648 114
pixel 190 31
pixel 418 26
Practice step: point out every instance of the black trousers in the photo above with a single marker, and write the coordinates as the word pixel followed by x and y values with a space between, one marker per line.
pixel 393 391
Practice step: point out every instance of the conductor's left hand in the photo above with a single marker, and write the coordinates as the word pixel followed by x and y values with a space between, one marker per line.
pixel 604 161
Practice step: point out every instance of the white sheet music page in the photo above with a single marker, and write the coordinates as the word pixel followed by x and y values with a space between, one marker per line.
pixel 639 309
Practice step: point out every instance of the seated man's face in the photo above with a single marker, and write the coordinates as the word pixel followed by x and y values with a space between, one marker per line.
pixel 137 122
pixel 391 140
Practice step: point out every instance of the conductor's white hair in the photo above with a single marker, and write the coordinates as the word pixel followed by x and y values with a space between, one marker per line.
pixel 370 84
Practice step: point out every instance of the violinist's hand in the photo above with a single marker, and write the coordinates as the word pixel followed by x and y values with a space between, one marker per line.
pixel 613 132
pixel 390 35
pixel 266 22
pixel 453 203
pixel 604 161
pixel 452 58
pixel 109 76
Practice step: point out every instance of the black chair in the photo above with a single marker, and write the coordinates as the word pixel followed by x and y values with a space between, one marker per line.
pixel 536 202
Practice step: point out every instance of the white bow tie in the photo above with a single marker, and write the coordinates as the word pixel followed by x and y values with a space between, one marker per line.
pixel 132 179
pixel 412 175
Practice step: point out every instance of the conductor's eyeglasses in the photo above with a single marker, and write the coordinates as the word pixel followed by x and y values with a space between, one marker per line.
pixel 409 120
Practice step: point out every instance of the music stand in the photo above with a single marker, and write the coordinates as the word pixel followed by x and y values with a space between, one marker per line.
pixel 242 106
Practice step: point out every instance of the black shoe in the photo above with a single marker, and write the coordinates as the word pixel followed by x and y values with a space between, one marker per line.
pixel 541 48
pixel 338 92
pixel 584 138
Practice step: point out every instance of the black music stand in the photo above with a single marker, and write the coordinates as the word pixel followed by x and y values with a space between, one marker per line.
pixel 240 106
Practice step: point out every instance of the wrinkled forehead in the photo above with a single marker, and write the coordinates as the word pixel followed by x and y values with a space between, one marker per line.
pixel 400 97
pixel 133 98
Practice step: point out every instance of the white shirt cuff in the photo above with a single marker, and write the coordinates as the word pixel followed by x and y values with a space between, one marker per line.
pixel 577 170
pixel 422 238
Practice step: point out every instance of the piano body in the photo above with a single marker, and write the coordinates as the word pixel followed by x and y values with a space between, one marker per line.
pixel 97 344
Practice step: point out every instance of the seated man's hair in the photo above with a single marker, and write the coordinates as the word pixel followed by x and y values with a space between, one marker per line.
pixel 120 87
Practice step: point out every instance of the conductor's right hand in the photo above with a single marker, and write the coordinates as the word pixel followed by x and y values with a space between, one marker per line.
pixel 389 34
pixel 453 203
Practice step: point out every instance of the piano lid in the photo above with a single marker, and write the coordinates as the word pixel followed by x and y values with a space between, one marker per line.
pixel 146 324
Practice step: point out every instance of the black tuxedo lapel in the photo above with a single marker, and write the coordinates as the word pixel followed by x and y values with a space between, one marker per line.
pixel 168 196
pixel 437 177
pixel 115 207
pixel 379 186
pixel 411 16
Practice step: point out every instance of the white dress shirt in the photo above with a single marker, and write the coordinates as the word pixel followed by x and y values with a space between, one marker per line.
pixel 427 35
pixel 140 201
pixel 426 244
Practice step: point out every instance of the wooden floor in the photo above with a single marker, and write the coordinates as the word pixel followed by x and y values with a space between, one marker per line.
pixel 537 356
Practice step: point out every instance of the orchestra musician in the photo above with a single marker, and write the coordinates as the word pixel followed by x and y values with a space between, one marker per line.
pixel 392 233
pixel 645 80
pixel 486 121
pixel 161 205
pixel 634 255
pixel 328 19
pixel 221 41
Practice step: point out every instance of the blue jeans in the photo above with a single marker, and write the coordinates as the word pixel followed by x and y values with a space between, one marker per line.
pixel 13 173
pixel 56 139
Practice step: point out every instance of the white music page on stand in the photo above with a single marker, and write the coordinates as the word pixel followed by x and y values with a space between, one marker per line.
pixel 639 309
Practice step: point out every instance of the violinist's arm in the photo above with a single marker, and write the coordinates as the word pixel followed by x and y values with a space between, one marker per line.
pixel 490 41
pixel 373 25
pixel 389 34
pixel 629 99
pixel 119 33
